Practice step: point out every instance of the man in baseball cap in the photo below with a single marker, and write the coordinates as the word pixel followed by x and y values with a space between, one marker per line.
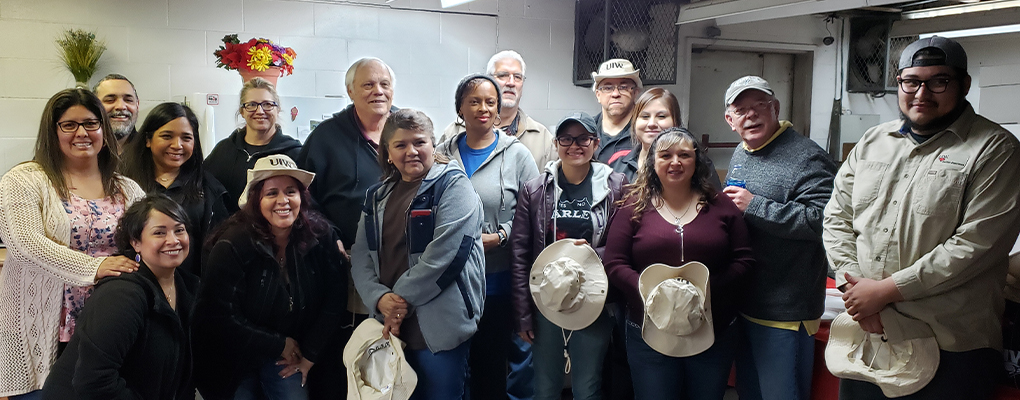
pixel 617 85
pixel 922 218
pixel 787 179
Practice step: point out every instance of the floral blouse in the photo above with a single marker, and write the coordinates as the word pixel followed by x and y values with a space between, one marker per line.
pixel 93 223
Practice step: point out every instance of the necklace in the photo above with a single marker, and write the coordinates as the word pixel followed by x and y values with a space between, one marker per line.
pixel 167 295
pixel 679 226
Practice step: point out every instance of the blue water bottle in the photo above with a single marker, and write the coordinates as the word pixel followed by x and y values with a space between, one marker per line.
pixel 736 177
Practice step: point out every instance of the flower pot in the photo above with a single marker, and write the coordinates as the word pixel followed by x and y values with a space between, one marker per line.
pixel 272 74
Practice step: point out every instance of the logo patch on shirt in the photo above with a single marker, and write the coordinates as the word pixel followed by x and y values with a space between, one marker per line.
pixel 952 160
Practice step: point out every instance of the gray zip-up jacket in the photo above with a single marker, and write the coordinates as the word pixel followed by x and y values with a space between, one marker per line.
pixel 497 182
pixel 445 283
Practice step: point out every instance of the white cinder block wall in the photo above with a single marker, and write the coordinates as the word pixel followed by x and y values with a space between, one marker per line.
pixel 165 47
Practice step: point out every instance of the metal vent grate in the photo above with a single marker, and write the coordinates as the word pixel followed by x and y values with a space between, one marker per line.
pixel 896 46
pixel 642 31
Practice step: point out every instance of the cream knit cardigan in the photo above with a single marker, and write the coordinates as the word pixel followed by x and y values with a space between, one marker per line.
pixel 36 230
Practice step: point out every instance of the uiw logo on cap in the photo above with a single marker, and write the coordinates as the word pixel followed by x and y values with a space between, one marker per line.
pixel 281 162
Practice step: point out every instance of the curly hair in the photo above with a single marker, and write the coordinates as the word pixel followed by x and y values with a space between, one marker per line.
pixel 646 191
pixel 309 225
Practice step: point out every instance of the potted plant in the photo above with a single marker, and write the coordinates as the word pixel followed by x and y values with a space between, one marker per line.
pixel 80 52
pixel 257 57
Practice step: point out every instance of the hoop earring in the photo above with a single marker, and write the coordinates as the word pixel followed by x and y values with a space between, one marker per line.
pixel 499 120
pixel 459 120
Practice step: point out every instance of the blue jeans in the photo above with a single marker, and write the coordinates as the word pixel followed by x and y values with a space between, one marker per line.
pixel 699 377
pixel 33 395
pixel 587 348
pixel 773 363
pixel 268 382
pixel 441 376
pixel 521 379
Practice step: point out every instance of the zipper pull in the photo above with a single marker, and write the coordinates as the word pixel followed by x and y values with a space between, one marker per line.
pixel 290 308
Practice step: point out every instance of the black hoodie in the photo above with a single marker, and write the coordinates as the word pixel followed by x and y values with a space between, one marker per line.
pixel 345 166
pixel 229 162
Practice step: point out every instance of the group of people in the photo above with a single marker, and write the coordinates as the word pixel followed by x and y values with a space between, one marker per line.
pixel 501 255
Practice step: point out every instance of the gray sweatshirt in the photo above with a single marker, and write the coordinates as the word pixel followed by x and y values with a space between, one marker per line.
pixel 497 181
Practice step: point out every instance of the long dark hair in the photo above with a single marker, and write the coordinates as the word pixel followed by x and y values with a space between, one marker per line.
pixel 138 162
pixel 50 157
pixel 131 224
pixel 647 187
pixel 308 227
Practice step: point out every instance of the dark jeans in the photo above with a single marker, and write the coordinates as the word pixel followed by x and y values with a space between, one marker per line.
pixel 616 382
pixel 699 377
pixel 441 376
pixel 970 375
pixel 490 347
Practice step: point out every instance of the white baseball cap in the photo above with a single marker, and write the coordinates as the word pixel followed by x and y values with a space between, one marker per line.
pixel 678 309
pixel 270 166
pixel 569 284
pixel 748 82
pixel 898 367
pixel 376 367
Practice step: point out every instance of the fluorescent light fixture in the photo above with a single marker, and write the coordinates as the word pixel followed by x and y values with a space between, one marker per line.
pixel 453 3
pixel 992 30
pixel 961 9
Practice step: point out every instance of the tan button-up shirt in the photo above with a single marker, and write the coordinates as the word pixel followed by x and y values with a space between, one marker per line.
pixel 938 217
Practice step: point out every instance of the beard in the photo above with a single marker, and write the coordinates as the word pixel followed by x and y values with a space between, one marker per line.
pixel 510 103
pixel 122 130
pixel 939 123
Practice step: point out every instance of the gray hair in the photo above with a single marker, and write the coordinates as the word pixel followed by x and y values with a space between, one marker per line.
pixel 490 68
pixel 349 78
pixel 114 77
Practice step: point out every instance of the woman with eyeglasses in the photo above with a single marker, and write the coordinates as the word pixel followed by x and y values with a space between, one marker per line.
pixel 497 165
pixel 58 214
pixel 574 198
pixel 168 160
pixel 260 136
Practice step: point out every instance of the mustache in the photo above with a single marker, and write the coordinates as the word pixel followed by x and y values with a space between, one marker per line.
pixel 123 113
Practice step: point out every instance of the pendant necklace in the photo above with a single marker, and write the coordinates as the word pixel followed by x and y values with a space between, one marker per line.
pixel 679 226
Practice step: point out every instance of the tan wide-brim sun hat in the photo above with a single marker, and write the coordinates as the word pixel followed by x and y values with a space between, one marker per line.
pixel 898 367
pixel 270 166
pixel 376 367
pixel 569 284
pixel 617 68
pixel 678 309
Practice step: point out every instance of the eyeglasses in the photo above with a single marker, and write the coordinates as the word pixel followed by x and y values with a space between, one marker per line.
pixel 934 85
pixel 505 76
pixel 90 125
pixel 607 89
pixel 267 106
pixel 583 140
pixel 760 106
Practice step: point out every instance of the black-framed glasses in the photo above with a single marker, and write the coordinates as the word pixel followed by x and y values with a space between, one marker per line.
pixel 934 85
pixel 583 140
pixel 505 76
pixel 624 88
pixel 90 125
pixel 760 106
pixel 267 106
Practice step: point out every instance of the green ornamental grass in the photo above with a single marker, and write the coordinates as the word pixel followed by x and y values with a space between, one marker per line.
pixel 80 51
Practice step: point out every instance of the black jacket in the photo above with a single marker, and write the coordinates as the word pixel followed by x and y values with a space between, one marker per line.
pixel 245 310
pixel 609 146
pixel 345 166
pixel 129 343
pixel 203 215
pixel 229 162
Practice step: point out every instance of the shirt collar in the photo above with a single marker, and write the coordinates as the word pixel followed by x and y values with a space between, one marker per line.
pixel 960 127
pixel 782 128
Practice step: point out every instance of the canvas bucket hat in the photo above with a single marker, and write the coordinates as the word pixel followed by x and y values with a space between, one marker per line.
pixel 376 367
pixel 616 68
pixel 898 367
pixel 678 309
pixel 569 284
pixel 270 166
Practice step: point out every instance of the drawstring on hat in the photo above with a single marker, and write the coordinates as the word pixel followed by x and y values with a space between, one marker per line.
pixel 566 354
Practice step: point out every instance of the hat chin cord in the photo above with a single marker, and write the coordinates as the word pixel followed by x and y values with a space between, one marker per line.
pixel 566 354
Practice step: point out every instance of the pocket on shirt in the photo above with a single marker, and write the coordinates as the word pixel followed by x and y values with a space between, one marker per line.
pixel 938 192
pixel 867 182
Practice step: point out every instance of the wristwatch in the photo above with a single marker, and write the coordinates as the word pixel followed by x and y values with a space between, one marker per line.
pixel 502 238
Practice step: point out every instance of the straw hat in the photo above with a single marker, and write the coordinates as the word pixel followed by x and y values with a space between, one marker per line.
pixel 376 367
pixel 678 309
pixel 270 166
pixel 569 284
pixel 898 367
